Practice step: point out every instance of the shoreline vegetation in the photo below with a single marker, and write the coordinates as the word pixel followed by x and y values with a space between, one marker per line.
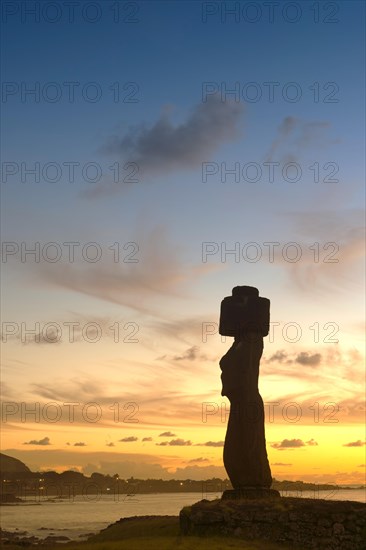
pixel 17 488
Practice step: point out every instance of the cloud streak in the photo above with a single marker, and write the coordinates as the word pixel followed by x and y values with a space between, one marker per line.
pixel 42 442
pixel 293 444
pixel 159 271
pixel 165 147
pixel 341 241
pixel 296 134
pixel 302 358
pixel 212 444
pixel 175 443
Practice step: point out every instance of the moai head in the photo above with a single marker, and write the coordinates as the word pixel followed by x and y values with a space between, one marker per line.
pixel 244 312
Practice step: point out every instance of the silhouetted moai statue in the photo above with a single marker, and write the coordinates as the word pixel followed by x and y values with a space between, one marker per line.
pixel 245 316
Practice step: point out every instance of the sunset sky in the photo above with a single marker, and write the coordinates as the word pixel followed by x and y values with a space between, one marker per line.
pixel 228 132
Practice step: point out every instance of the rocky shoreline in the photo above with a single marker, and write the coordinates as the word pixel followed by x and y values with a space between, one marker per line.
pixel 24 538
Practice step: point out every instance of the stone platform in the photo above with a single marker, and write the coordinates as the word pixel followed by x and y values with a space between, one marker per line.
pixel 250 493
pixel 300 523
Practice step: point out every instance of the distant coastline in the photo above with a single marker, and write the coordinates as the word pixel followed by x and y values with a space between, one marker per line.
pixel 17 488
pixel 18 482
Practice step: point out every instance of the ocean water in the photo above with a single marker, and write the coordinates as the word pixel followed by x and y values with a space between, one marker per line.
pixel 82 515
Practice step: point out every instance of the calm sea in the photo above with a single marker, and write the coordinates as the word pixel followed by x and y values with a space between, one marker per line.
pixel 83 515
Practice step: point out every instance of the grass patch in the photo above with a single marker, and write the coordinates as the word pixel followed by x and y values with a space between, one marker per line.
pixel 182 543
pixel 139 527
pixel 161 533
pixel 156 533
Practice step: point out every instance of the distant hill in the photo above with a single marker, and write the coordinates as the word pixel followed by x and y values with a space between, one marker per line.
pixel 8 464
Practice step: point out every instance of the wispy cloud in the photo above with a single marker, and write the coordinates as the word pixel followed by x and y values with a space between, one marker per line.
pixel 165 147
pixel 212 444
pixel 358 443
pixel 292 444
pixel 286 127
pixel 44 441
pixel 191 354
pixel 175 443
pixel 70 390
pixel 336 390
pixel 161 270
pixel 341 240
pixel 305 358
pixel 184 330
pixel 294 135
pixel 302 358
pixel 130 439
pixel 341 371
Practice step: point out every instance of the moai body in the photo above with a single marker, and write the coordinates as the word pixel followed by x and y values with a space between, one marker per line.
pixel 245 316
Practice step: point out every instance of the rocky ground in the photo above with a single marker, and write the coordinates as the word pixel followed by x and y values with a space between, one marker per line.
pixel 23 538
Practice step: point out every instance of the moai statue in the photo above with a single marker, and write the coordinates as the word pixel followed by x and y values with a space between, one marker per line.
pixel 245 316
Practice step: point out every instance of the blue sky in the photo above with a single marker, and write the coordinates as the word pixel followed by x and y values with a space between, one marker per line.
pixel 170 65
pixel 164 60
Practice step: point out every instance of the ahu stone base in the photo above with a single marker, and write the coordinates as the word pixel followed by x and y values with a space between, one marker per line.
pixel 299 523
pixel 251 493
